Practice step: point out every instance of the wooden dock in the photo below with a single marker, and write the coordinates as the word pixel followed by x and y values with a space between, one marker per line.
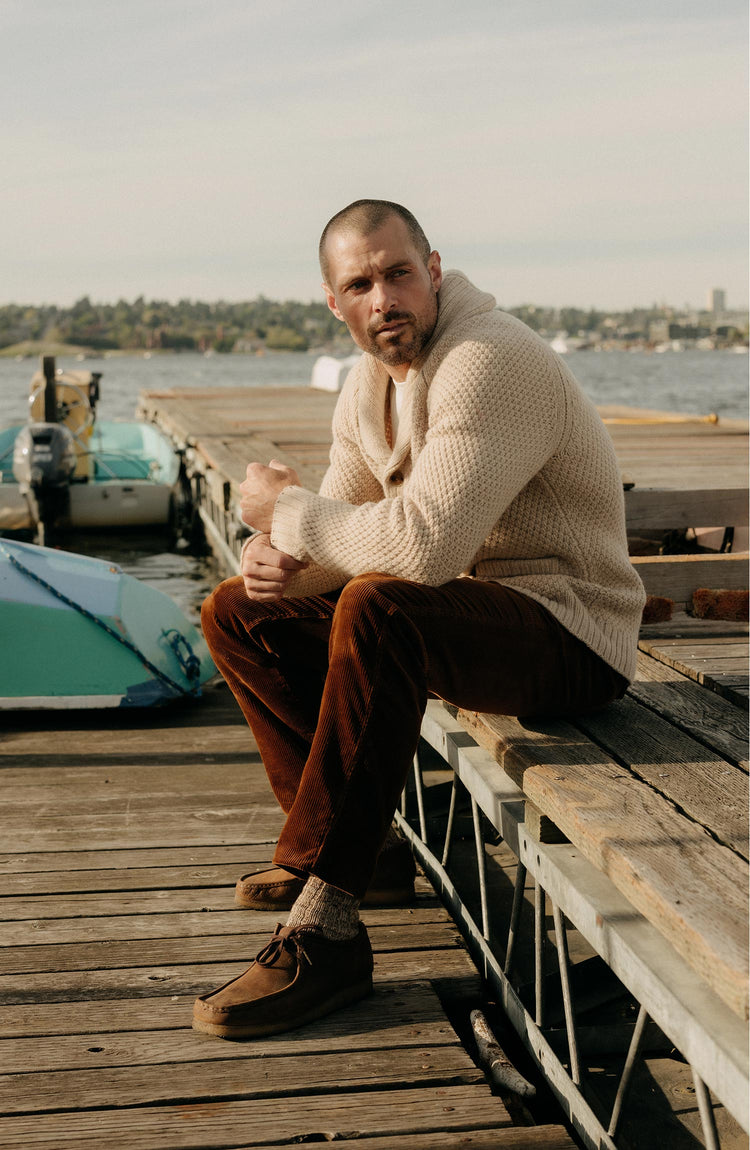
pixel 122 839
pixel 673 468
pixel 121 846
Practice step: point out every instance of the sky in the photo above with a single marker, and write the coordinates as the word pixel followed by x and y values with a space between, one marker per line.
pixel 590 153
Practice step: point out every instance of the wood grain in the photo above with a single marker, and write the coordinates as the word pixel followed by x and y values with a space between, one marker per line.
pixel 690 887
pixel 198 1123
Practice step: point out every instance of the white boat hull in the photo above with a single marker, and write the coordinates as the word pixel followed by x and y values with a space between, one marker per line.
pixel 94 505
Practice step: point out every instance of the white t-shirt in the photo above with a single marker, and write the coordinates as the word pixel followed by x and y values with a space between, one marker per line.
pixel 398 397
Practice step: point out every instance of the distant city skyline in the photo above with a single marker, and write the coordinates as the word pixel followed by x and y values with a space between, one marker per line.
pixel 573 154
pixel 716 303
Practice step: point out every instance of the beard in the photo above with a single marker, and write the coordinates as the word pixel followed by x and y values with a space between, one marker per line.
pixel 404 344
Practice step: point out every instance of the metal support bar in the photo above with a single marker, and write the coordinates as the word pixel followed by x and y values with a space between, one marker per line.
pixel 420 798
pixel 563 958
pixel 515 917
pixel 627 1071
pixel 449 824
pixel 481 868
pixel 582 1118
pixel 705 1109
pixel 540 939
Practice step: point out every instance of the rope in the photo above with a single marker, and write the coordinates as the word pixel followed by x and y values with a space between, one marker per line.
pixel 190 662
pixel 186 657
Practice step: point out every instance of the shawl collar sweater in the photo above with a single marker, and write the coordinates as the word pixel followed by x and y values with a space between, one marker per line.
pixel 501 469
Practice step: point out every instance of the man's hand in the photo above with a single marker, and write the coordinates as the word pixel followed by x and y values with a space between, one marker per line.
pixel 260 490
pixel 266 571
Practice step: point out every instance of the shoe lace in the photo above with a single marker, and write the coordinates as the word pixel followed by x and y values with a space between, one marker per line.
pixel 288 939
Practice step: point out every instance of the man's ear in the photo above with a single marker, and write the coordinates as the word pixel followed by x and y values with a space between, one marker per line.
pixel 435 270
pixel 331 301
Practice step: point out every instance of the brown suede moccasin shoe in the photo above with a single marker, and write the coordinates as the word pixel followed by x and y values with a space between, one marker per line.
pixel 298 977
pixel 274 889
pixel 277 889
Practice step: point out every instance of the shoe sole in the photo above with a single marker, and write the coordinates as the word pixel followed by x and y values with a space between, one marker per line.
pixel 346 997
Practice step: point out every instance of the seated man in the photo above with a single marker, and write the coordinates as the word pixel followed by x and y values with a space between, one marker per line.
pixel 468 540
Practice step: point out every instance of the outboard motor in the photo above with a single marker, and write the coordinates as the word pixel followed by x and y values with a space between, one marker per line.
pixel 44 459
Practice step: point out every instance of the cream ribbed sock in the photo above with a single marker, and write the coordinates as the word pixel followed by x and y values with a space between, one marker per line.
pixel 334 912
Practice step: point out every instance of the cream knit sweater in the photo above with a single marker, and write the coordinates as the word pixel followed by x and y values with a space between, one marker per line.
pixel 502 469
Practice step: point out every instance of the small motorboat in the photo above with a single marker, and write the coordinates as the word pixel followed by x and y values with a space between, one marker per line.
pixel 80 632
pixel 66 469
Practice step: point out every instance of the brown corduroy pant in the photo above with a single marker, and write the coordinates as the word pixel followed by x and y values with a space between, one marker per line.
pixel 334 688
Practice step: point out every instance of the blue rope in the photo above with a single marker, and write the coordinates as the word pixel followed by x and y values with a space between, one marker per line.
pixel 190 663
pixel 186 657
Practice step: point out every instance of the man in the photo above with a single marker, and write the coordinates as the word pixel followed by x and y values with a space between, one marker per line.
pixel 468 540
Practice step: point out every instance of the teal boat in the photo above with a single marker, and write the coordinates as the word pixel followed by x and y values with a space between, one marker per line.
pixel 80 632
pixel 66 469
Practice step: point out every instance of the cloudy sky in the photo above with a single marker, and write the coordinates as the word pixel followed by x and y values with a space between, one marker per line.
pixel 586 152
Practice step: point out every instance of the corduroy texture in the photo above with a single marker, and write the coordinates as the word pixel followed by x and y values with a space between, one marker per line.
pixel 501 468
pixel 334 688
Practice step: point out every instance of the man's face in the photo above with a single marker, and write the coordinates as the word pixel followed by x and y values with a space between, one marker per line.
pixel 382 290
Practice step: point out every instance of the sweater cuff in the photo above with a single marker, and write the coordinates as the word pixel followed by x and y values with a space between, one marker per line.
pixel 288 514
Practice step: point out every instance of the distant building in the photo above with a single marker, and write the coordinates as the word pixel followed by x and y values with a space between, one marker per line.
pixel 717 301
pixel 658 331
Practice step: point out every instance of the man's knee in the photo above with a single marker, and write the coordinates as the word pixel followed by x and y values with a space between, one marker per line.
pixel 372 587
pixel 224 605
pixel 374 599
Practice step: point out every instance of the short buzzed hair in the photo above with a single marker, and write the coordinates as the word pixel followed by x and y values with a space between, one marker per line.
pixel 365 217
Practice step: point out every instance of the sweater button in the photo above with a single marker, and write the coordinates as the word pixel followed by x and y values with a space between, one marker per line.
pixel 397 478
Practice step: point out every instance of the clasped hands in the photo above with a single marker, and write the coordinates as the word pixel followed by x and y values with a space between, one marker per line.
pixel 265 571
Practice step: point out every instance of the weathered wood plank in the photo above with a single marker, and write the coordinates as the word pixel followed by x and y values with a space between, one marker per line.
pixel 684 626
pixel 665 509
pixel 139 940
pixel 715 651
pixel 690 887
pixel 190 415
pixel 509 1138
pixel 164 914
pixel 69 1036
pixel 450 967
pixel 678 576
pixel 144 879
pixel 139 806
pixel 704 636
pixel 715 666
pixel 102 865
pixel 280 1076
pixel 680 655
pixel 713 792
pixel 140 886
pixel 150 828
pixel 231 457
pixel 258 1121
pixel 31 1020
pixel 705 715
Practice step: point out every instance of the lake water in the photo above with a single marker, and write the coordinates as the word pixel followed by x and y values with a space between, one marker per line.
pixel 695 382
pixel 690 381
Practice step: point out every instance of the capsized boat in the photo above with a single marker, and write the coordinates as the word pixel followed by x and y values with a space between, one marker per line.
pixel 80 632
pixel 65 468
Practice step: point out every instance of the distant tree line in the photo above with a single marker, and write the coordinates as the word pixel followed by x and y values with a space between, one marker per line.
pixel 259 324
pixel 185 326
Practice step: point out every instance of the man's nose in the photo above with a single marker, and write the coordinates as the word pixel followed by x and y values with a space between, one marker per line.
pixel 383 296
